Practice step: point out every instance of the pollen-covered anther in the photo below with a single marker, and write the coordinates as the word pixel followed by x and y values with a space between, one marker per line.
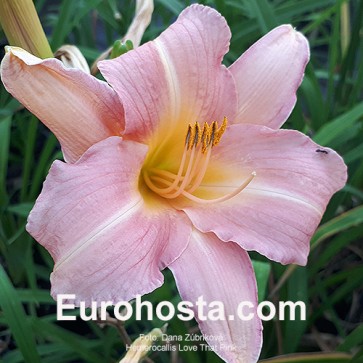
pixel 209 135
pixel 220 132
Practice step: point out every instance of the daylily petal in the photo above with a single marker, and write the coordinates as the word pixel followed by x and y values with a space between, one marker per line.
pixel 225 274
pixel 280 209
pixel 176 79
pixel 267 76
pixel 107 244
pixel 79 109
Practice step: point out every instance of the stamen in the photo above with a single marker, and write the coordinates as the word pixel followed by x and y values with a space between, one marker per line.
pixel 196 156
pixel 215 200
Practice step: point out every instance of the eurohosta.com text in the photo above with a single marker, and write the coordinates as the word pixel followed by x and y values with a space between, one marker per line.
pixel 184 310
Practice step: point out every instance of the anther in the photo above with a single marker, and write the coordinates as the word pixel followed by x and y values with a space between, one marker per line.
pixel 214 127
pixel 192 136
pixel 198 134
pixel 187 137
pixel 205 137
pixel 220 132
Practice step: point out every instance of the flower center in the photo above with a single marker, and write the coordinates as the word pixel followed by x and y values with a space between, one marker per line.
pixel 198 146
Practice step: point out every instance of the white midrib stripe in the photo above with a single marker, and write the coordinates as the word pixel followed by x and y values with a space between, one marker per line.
pixel 277 194
pixel 170 75
pixel 273 193
pixel 92 237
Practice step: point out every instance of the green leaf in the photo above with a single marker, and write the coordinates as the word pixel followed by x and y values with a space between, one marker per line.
pixel 22 209
pixel 336 244
pixel 71 340
pixel 262 272
pixel 354 339
pixel 5 124
pixel 175 6
pixel 321 16
pixel 289 10
pixel 43 165
pixel 344 221
pixel 343 285
pixel 354 154
pixel 352 218
pixel 47 351
pixel 31 136
pixel 10 108
pixel 310 88
pixel 35 296
pixel 70 15
pixel 311 358
pixel 297 290
pixel 330 133
pixel 264 14
pixel 62 27
pixel 17 320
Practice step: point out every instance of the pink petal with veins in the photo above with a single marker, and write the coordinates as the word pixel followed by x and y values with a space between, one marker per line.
pixel 78 108
pixel 281 208
pixel 221 272
pixel 106 243
pixel 267 76
pixel 177 78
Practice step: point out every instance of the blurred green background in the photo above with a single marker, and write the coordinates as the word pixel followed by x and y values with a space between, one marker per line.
pixel 329 109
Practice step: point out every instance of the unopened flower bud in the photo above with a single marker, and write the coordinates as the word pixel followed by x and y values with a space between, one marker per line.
pixel 21 25
pixel 120 48
pixel 141 346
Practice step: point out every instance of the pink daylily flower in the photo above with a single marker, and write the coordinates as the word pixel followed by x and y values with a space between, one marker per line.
pixel 179 163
